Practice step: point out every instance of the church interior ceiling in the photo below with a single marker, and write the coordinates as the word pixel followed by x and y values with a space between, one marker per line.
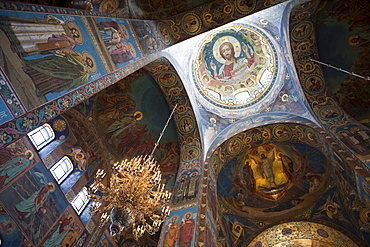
pixel 262 132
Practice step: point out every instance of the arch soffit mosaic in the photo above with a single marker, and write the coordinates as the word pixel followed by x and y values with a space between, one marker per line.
pixel 253 122
pixel 319 96
pixel 165 74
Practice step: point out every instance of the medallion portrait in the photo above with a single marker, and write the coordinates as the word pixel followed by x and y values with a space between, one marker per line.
pixel 313 84
pixel 235 67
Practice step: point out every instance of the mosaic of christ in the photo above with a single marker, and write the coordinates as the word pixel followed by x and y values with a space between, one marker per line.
pixel 234 68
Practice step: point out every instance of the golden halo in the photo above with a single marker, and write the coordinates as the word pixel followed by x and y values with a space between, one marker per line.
pixel 52 187
pixel 176 217
pixel 80 39
pixel 328 206
pixel 354 40
pixel 108 6
pixel 194 174
pixel 236 225
pixel 284 98
pixel 188 213
pixel 132 49
pixel 29 152
pixel 85 55
pixel 138 117
pixel 80 156
pixel 124 31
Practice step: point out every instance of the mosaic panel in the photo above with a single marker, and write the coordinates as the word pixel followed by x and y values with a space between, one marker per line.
pixel 235 67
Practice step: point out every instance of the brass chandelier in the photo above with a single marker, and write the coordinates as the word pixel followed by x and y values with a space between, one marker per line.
pixel 134 198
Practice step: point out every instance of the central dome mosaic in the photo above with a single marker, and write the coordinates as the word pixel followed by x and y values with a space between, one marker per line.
pixel 235 67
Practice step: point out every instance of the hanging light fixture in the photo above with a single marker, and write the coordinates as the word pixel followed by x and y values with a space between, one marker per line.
pixel 134 197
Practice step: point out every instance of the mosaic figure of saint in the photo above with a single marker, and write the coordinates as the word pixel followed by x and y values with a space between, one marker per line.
pixel 172 232
pixel 14 167
pixel 46 35
pixel 63 71
pixel 186 230
pixel 192 186
pixel 34 203
pixel 60 233
pixel 119 126
pixel 114 36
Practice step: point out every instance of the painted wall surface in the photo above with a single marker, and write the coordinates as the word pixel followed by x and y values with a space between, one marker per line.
pixel 16 159
pixel 88 47
pixel 106 241
pixel 48 58
pixel 180 229
pixel 35 202
pixel 45 47
pixel 34 209
pixel 131 115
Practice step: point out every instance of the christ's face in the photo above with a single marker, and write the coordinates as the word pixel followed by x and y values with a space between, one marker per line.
pixel 226 52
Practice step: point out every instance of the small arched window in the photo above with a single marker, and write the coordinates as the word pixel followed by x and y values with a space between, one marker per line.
pixel 80 201
pixel 62 169
pixel 41 136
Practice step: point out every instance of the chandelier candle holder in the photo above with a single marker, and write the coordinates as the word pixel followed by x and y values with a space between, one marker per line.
pixel 134 197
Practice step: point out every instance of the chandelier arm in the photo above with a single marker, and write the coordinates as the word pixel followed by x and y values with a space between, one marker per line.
pixel 165 126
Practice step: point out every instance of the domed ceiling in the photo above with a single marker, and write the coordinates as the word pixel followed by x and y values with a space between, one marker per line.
pixel 239 72
pixel 272 179
pixel 267 178
pixel 279 172
pixel 302 233
pixel 235 67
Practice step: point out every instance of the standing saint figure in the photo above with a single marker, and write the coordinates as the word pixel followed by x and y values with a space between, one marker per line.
pixel 232 64
pixel 34 203
pixel 186 230
pixel 179 191
pixel 63 71
pixel 265 170
pixel 60 232
pixel 288 166
pixel 14 167
pixel 125 122
pixel 172 232
pixel 192 186
pixel 34 36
